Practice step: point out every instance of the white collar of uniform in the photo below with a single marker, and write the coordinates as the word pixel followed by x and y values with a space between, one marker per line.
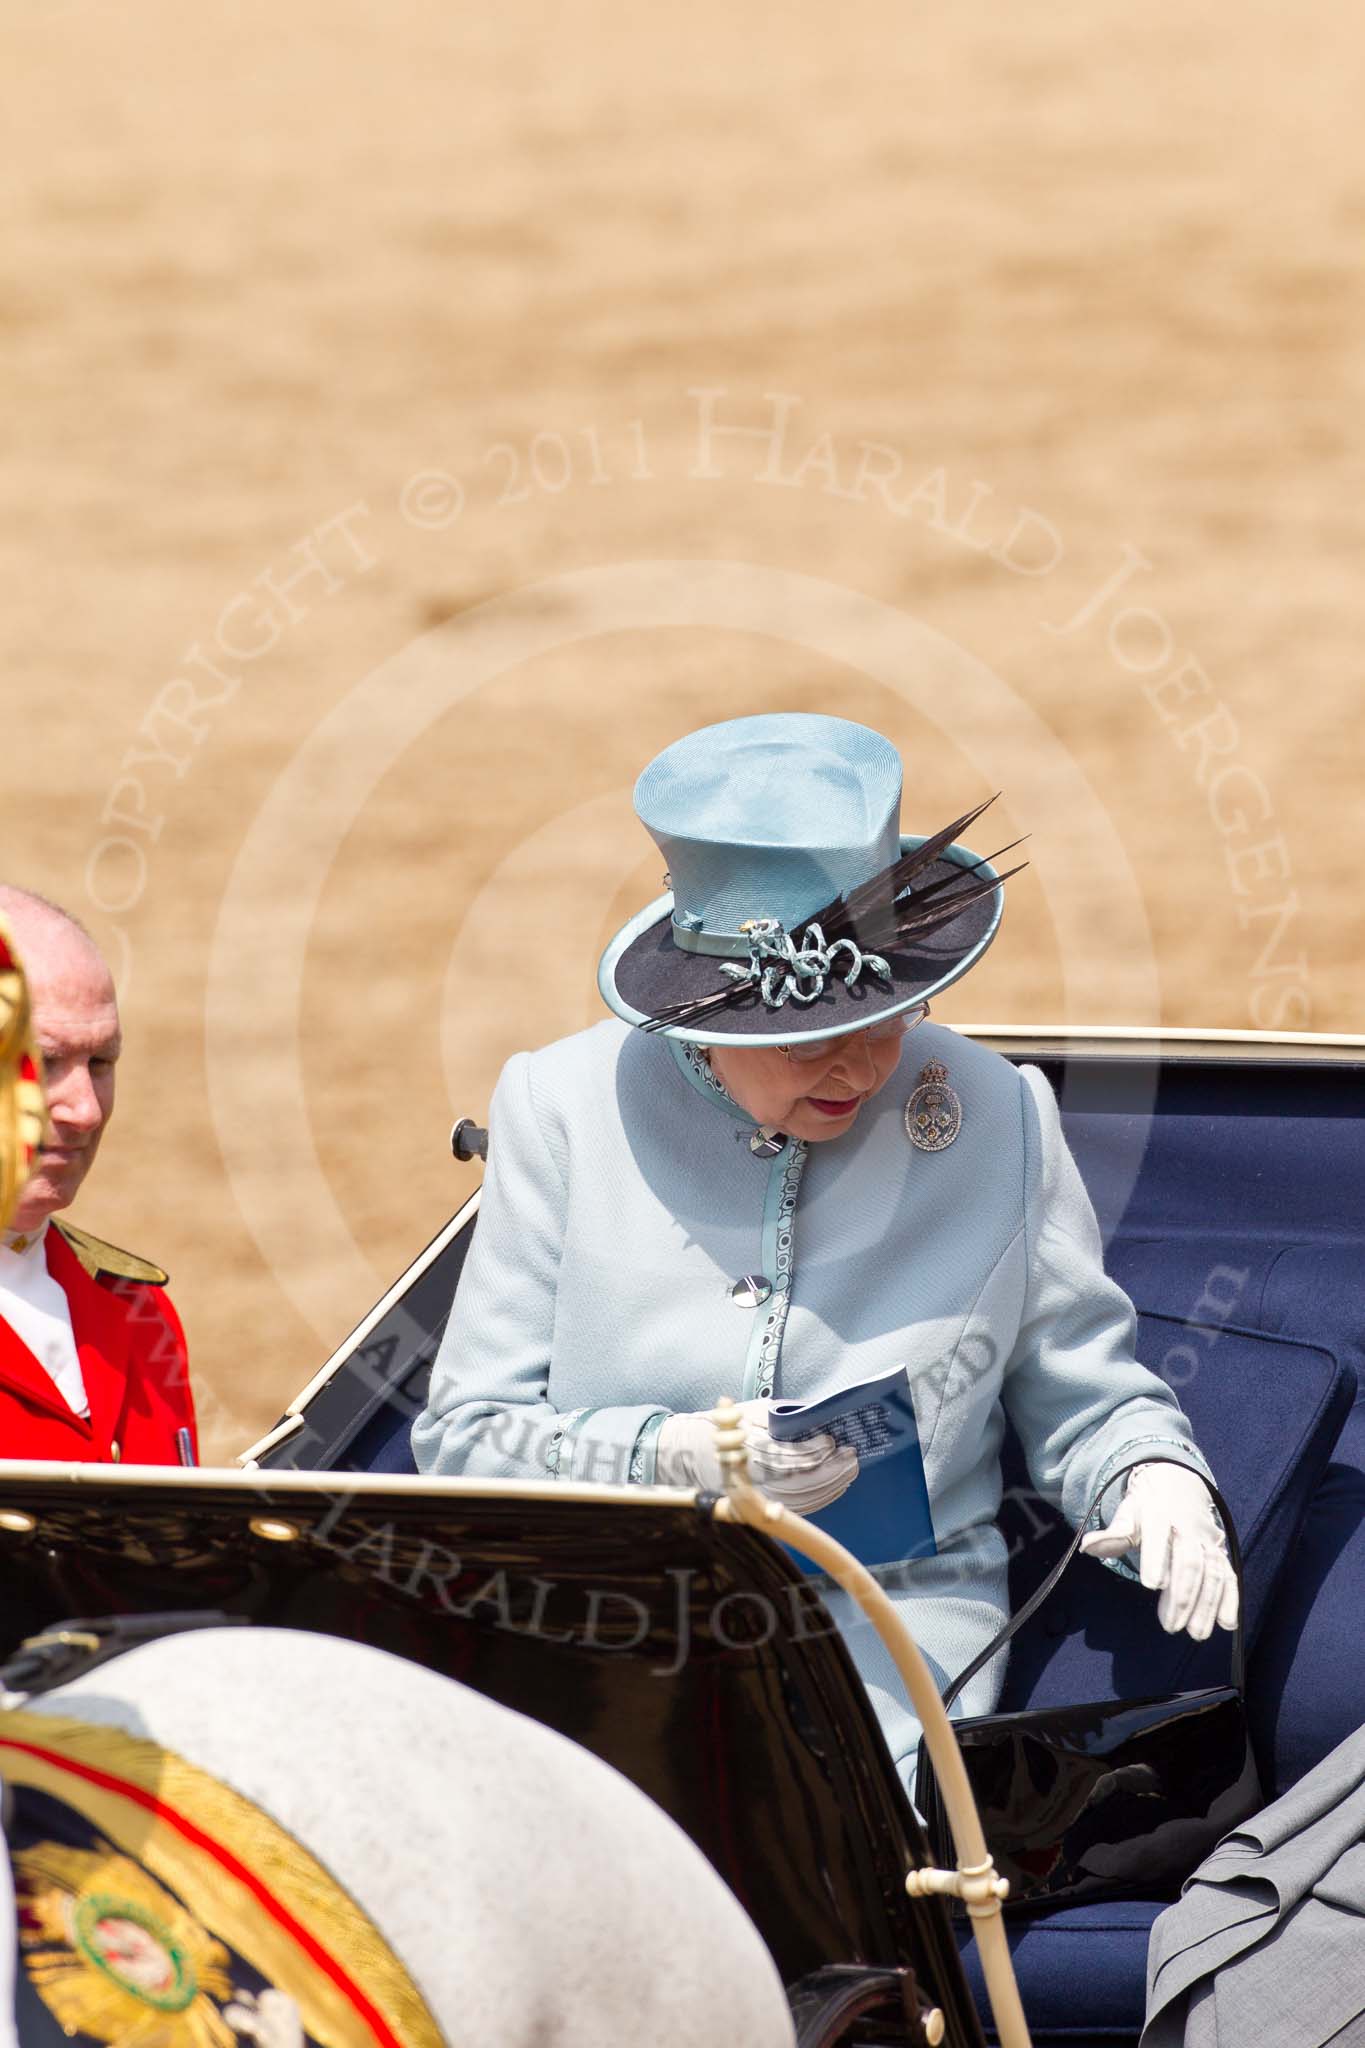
pixel 36 1307
pixel 27 1245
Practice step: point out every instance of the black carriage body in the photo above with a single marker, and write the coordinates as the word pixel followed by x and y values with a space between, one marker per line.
pixel 687 1652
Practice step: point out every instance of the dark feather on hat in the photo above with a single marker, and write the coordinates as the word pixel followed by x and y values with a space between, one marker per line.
pixel 878 915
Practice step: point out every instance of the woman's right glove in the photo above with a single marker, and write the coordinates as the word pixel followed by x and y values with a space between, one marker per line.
pixel 802 1476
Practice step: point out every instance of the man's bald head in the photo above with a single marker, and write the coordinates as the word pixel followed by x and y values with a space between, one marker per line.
pixel 76 1026
pixel 26 909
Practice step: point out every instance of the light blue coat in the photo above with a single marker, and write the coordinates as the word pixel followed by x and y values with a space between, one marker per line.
pixel 621 1202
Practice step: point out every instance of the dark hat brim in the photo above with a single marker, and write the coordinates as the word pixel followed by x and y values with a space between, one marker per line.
pixel 644 972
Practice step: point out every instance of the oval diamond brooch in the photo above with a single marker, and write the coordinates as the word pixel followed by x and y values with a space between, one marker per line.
pixel 933 1115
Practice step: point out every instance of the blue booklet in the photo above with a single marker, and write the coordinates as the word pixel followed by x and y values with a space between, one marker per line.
pixel 884 1516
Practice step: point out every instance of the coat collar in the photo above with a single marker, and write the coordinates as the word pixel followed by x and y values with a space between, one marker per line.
pixel 101 1336
pixel 689 1064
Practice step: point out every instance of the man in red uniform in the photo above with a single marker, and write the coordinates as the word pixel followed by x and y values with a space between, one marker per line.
pixel 92 1356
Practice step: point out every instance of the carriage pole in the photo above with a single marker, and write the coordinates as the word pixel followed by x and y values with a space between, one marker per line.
pixel 975 1881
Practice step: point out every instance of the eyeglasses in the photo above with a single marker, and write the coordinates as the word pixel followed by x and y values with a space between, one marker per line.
pixel 808 1050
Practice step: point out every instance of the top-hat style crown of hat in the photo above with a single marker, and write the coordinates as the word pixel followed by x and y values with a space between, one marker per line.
pixel 797 908
pixel 769 817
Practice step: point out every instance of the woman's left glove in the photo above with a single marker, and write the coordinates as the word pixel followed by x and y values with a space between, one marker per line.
pixel 1167 1516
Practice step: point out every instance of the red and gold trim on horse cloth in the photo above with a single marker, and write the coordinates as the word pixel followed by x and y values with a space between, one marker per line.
pixel 129 1938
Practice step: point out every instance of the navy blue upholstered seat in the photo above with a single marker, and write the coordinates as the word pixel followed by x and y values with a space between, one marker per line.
pixel 1235 1217
pixel 1098 1636
pixel 1077 1970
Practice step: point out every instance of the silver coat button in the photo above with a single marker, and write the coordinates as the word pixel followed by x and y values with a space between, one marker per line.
pixel 767 1141
pixel 751 1291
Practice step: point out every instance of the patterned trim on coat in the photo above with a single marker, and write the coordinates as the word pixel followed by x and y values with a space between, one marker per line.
pixel 701 1067
pixel 644 1455
pixel 563 1433
pixel 778 1261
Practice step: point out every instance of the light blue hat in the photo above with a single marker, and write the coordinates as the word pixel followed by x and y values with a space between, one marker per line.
pixel 797 909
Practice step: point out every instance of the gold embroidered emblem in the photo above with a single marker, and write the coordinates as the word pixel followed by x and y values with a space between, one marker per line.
pixel 129 1938
pixel 113 1955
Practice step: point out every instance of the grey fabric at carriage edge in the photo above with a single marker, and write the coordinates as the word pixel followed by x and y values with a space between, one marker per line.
pixel 1267 1943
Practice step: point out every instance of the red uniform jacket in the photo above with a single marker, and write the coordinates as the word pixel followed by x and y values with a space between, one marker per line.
pixel 133 1360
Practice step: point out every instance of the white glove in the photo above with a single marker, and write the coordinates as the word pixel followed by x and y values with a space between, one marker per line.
pixel 272 2021
pixel 1167 1515
pixel 803 1476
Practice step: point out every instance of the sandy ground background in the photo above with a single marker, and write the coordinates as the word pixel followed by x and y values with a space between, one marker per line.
pixel 413 304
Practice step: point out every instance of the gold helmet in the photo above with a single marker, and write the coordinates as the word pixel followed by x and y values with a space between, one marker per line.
pixel 23 1114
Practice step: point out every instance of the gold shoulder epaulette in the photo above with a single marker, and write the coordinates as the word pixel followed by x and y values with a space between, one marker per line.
pixel 98 1257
